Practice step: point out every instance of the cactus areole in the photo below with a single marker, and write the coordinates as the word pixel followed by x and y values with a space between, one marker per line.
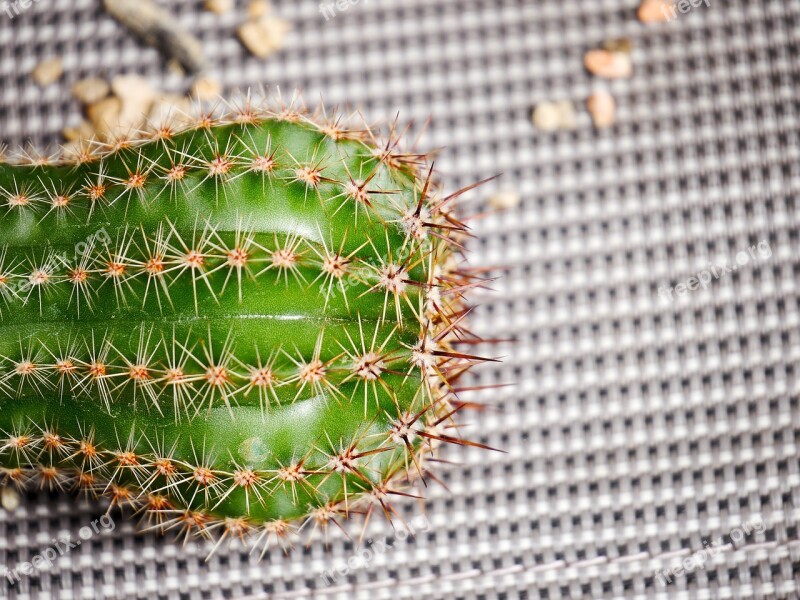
pixel 249 323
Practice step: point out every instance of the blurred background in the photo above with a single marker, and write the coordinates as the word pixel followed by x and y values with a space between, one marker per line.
pixel 652 432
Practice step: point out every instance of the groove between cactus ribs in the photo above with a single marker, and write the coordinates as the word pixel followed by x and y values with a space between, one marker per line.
pixel 247 325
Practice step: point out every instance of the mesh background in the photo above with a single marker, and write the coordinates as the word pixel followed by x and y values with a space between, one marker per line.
pixel 639 430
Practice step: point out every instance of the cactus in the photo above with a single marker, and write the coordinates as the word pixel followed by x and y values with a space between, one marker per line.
pixel 248 324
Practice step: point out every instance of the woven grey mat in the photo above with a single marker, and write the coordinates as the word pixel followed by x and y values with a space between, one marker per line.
pixel 643 432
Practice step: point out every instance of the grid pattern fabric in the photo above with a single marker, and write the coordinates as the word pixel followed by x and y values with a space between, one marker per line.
pixel 645 426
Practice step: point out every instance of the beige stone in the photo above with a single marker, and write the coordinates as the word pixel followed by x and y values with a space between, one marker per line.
pixel 264 36
pixel 552 116
pixel 505 199
pixel 104 116
pixel 136 96
pixel 170 109
pixel 258 8
pixel 132 88
pixel 90 90
pixel 9 498
pixel 48 71
pixel 218 7
pixel 546 116
pixel 82 131
pixel 567 116
pixel 206 88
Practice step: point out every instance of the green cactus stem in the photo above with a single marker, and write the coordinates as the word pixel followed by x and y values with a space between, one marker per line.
pixel 249 323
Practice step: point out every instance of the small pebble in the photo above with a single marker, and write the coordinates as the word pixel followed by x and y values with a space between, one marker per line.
pixel 263 36
pixel 602 107
pixel 218 7
pixel 137 97
pixel 618 45
pixel 505 199
pixel 206 88
pixel 258 8
pixel 608 65
pixel 104 116
pixel 654 11
pixel 48 71
pixel 132 88
pixel 170 109
pixel 90 90
pixel 568 116
pixel 9 498
pixel 82 131
pixel 551 116
pixel 546 116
